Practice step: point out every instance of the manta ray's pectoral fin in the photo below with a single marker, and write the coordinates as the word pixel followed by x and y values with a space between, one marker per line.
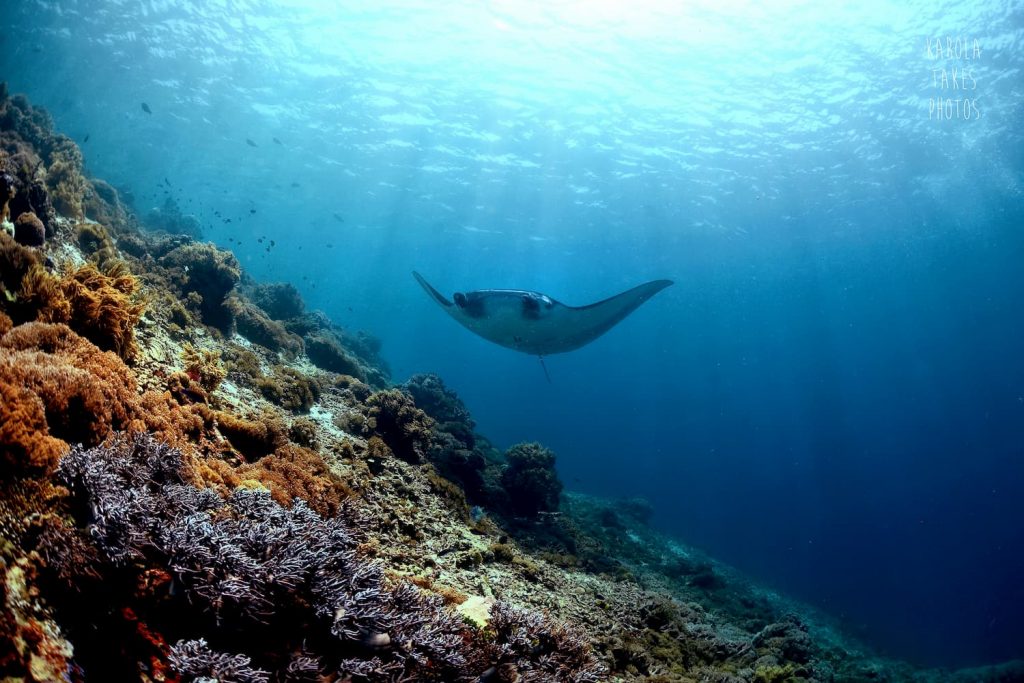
pixel 435 295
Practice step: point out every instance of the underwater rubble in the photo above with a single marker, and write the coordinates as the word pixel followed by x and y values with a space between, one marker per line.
pixel 202 480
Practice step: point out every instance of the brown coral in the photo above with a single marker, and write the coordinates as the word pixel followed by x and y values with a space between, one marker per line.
pixel 290 389
pixel 253 439
pixel 296 472
pixel 405 428
pixel 15 262
pixel 103 308
pixel 57 385
pixel 257 327
pixel 209 272
pixel 64 176
pixel 29 230
pixel 204 367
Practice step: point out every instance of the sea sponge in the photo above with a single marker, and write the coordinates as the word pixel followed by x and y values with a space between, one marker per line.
pixel 57 385
pixel 405 428
pixel 211 273
pixel 257 327
pixel 530 479
pixel 29 230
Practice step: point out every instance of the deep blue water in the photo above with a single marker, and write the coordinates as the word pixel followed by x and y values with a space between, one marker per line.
pixel 831 397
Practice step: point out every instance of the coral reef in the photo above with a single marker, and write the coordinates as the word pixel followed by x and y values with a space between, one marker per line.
pixel 29 230
pixel 253 324
pixel 208 272
pixel 64 178
pixel 60 386
pixel 173 519
pixel 404 428
pixel 456 450
pixel 279 300
pixel 262 571
pixel 530 479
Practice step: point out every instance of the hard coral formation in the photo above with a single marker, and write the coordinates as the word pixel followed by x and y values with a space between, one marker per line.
pixel 211 273
pixel 253 324
pixel 326 352
pixel 404 428
pixel 530 479
pixel 29 230
pixel 279 300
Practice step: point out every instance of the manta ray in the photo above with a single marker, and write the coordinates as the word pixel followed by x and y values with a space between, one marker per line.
pixel 536 324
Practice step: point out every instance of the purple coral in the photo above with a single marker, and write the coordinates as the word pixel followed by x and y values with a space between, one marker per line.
pixel 266 579
pixel 195 658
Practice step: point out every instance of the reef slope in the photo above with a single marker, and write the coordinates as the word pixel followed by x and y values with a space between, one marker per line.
pixel 204 481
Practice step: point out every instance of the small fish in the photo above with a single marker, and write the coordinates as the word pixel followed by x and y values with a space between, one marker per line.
pixel 295 185
pixel 145 108
pixel 252 210
pixel 260 240
pixel 250 143
pixel 272 243
pixel 338 218
pixel 227 220
pixel 167 182
pixel 330 246
pixel 276 141
pixel 85 139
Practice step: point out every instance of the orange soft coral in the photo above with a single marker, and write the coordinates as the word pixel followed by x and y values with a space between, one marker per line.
pixel 102 306
pixel 57 385
pixel 25 441
pixel 296 472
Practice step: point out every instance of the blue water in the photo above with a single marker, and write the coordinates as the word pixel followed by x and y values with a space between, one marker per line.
pixel 831 397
